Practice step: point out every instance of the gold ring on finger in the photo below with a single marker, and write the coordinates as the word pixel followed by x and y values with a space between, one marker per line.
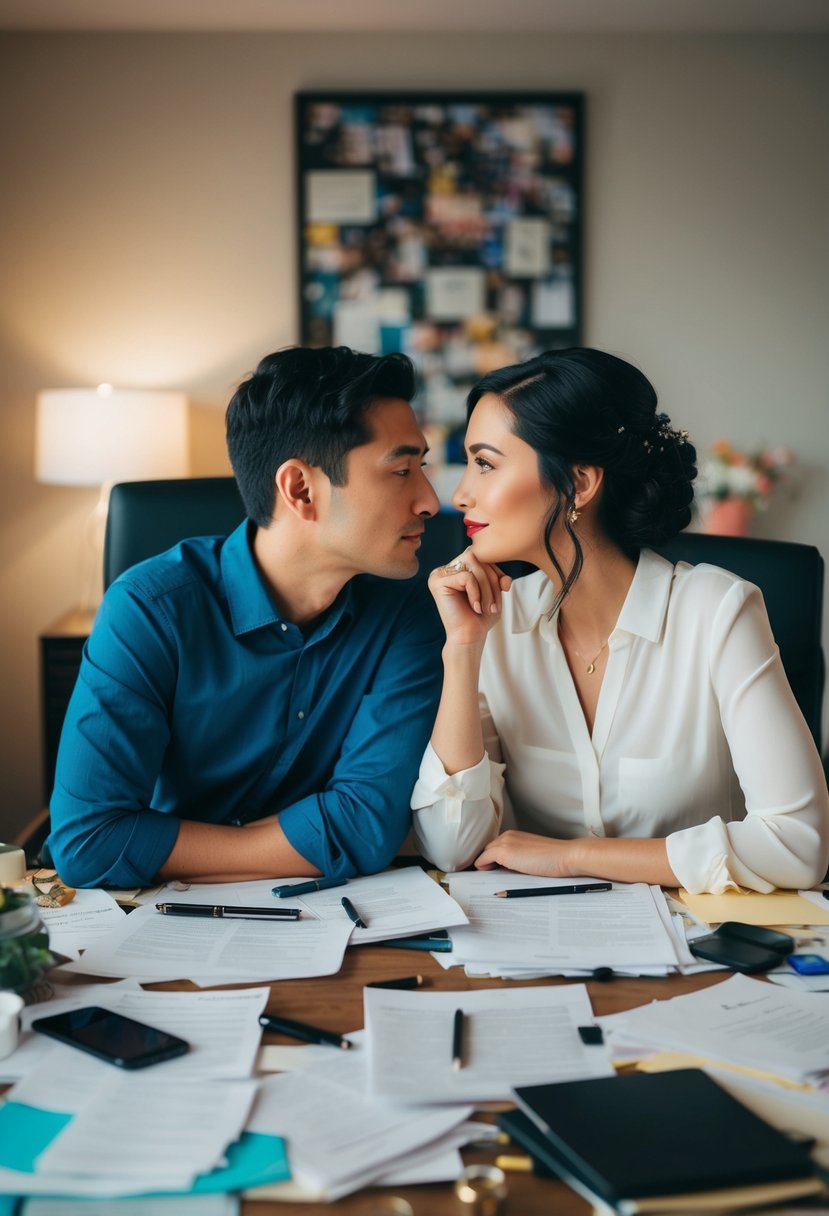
pixel 456 567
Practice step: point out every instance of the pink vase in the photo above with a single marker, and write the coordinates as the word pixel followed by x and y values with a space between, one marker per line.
pixel 730 517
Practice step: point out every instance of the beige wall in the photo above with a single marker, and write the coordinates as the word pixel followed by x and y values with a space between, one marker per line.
pixel 147 238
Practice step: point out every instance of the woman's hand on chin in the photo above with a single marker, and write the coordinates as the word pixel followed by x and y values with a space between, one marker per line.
pixel 527 853
pixel 468 597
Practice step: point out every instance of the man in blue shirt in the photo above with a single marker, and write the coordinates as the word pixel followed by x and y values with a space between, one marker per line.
pixel 257 705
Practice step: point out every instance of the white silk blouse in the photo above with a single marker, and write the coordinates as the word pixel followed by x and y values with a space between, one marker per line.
pixel 697 738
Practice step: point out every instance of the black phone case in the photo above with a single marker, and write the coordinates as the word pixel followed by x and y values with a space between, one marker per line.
pixel 169 1051
pixel 745 948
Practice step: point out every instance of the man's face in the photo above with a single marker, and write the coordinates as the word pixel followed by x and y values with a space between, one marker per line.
pixel 375 522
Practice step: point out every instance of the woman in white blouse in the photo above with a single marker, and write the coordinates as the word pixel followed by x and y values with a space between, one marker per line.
pixel 611 714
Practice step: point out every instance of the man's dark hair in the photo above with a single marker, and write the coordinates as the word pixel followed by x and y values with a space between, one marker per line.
pixel 308 404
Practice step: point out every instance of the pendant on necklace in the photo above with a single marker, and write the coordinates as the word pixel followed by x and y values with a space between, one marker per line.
pixel 591 667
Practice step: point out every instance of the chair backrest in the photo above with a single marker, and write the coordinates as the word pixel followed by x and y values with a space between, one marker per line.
pixel 147 517
pixel 790 577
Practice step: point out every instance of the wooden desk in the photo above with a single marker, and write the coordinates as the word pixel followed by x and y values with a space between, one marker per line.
pixel 336 1003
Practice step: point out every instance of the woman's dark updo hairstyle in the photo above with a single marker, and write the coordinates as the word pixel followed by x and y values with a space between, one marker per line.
pixel 583 406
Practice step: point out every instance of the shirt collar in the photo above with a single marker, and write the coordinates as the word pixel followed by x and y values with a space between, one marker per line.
pixel 643 612
pixel 249 600
pixel 646 603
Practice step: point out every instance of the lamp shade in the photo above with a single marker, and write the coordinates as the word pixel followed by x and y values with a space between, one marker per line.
pixel 89 436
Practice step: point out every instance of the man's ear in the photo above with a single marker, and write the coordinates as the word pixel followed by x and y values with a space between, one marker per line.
pixel 587 481
pixel 295 487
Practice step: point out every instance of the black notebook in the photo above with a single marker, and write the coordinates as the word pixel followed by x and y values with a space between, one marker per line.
pixel 655 1134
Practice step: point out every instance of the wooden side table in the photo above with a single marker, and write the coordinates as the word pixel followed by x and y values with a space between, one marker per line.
pixel 61 647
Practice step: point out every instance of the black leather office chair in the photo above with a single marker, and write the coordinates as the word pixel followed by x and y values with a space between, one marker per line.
pixel 147 517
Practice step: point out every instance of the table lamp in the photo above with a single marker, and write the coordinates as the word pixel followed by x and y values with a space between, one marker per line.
pixel 99 436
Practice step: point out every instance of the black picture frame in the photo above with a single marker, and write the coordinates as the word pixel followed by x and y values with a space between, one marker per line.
pixel 445 225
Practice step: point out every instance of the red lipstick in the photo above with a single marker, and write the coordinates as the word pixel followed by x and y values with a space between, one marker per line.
pixel 472 526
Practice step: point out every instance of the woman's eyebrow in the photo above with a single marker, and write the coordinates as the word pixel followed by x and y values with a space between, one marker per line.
pixel 480 447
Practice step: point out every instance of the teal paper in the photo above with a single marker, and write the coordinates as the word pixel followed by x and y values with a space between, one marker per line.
pixel 252 1160
pixel 25 1131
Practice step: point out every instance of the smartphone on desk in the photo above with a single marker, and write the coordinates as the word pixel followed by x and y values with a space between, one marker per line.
pixel 112 1036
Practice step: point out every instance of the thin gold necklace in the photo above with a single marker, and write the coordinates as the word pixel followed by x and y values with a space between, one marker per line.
pixel 591 663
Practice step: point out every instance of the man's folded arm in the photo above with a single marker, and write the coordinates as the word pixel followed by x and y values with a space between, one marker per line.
pixel 358 822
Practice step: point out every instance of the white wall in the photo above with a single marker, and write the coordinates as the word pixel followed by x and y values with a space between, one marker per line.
pixel 147 238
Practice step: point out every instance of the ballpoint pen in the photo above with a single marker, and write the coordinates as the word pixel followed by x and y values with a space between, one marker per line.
pixel 228 912
pixel 457 1039
pixel 305 888
pixel 353 914
pixel 304 1031
pixel 582 889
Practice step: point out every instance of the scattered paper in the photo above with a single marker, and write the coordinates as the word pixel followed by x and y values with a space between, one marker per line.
pixel 740 1021
pixel 521 1036
pixel 621 928
pixel 91 915
pixel 222 1029
pixel 151 946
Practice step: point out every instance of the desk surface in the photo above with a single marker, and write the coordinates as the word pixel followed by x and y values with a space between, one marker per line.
pixel 336 1003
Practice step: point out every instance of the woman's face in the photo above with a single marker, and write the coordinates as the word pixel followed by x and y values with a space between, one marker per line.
pixel 504 503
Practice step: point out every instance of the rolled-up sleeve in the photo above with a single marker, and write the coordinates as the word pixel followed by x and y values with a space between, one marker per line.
pixel 456 816
pixel 783 841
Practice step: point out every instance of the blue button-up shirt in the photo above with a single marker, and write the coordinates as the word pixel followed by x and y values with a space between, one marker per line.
pixel 195 700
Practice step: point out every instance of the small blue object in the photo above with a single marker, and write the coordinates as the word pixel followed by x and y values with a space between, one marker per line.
pixel 808 964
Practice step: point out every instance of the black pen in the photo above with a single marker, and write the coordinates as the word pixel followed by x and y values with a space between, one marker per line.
pixel 457 1039
pixel 526 892
pixel 305 888
pixel 408 981
pixel 353 914
pixel 228 912
pixel 302 1030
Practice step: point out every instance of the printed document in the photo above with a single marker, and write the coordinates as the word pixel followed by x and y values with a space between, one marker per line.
pixel 621 928
pixel 222 1029
pixel 519 1036
pixel 335 1133
pixel 136 1123
pixel 90 916
pixel 151 946
pixel 740 1021
pixel 393 904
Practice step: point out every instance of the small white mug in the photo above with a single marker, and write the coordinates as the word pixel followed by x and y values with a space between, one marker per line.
pixel 12 864
pixel 10 1006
